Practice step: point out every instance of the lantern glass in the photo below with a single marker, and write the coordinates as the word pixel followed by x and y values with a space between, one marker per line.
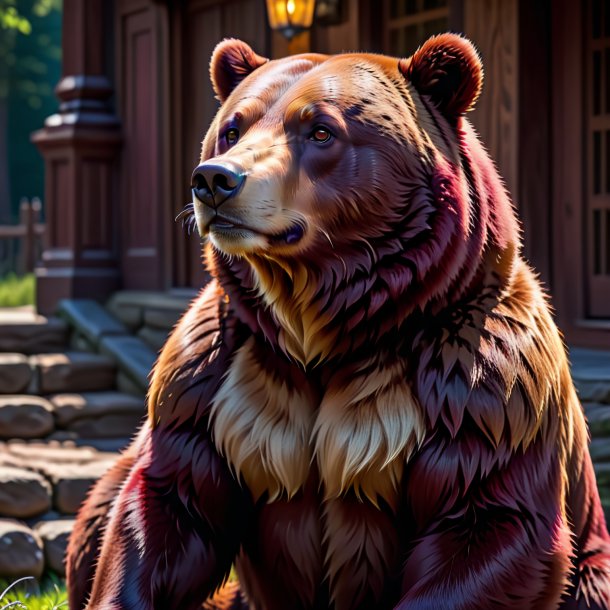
pixel 290 16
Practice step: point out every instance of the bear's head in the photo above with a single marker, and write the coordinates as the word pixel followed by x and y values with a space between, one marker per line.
pixel 348 190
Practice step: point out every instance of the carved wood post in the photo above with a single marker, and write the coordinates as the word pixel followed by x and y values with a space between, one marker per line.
pixel 80 145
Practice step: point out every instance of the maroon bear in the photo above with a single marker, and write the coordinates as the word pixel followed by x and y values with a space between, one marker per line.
pixel 369 407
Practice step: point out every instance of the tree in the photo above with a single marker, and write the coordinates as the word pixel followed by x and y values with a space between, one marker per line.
pixel 26 52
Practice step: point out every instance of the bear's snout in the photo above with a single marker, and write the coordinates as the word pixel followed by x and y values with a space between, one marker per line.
pixel 214 183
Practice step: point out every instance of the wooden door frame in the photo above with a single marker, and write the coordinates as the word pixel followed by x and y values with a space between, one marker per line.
pixel 569 204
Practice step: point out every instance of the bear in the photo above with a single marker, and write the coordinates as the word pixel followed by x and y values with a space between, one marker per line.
pixel 369 406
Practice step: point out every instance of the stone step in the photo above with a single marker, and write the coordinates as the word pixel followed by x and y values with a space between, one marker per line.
pixel 71 482
pixel 98 414
pixel 88 415
pixel 15 373
pixel 73 409
pixel 591 373
pixel 133 357
pixel 90 320
pixel 25 416
pixel 73 372
pixel 137 308
pixel 70 471
pixel 23 493
pixel 23 331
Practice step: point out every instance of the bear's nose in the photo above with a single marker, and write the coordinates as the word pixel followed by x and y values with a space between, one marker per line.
pixel 214 183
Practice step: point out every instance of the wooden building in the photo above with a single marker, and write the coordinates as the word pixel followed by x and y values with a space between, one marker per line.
pixel 135 101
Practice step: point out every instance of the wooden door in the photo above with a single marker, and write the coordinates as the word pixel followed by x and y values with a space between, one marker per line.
pixel 578 194
pixel 142 93
pixel 597 158
pixel 198 25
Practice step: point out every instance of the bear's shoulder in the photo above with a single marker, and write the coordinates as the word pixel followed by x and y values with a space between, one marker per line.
pixel 195 355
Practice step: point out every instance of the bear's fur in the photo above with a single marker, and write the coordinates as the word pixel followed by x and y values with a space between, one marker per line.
pixel 370 406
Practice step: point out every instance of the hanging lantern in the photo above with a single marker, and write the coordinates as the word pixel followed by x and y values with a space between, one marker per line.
pixel 290 17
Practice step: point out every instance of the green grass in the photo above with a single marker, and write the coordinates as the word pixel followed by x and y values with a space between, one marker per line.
pixel 26 594
pixel 16 291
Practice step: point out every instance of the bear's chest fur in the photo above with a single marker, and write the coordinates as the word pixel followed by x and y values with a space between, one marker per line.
pixel 271 424
pixel 324 466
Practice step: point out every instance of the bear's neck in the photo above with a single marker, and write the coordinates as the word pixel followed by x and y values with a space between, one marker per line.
pixel 303 313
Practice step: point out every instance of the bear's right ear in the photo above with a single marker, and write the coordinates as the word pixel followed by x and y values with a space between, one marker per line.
pixel 232 60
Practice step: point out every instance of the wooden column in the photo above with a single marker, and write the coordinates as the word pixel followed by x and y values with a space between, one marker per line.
pixel 80 146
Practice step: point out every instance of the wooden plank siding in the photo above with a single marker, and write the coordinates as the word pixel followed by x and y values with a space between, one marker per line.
pixel 493 26
pixel 513 114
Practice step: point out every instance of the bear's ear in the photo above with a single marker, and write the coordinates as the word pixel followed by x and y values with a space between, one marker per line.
pixel 232 60
pixel 448 69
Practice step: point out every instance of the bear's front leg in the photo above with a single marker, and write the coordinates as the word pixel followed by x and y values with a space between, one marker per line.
pixel 496 541
pixel 86 537
pixel 175 527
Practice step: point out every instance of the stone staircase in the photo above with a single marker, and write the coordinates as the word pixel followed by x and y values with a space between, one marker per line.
pixel 72 393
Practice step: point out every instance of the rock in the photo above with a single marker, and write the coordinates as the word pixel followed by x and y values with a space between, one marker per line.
pixel 72 482
pixel 69 408
pixel 74 372
pixel 598 418
pixel 25 416
pixel 23 493
pixel 25 332
pixel 21 551
pixel 15 373
pixel 54 536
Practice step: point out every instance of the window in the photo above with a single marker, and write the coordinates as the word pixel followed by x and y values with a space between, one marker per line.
pixel 409 23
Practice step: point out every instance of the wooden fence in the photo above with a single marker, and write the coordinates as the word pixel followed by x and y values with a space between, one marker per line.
pixel 21 244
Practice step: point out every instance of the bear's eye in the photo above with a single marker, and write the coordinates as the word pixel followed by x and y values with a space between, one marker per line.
pixel 231 136
pixel 320 134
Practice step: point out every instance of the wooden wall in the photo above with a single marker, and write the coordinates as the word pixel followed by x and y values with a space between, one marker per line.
pixel 493 26
pixel 513 114
pixel 197 27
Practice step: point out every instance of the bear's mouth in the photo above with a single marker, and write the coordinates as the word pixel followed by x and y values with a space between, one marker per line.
pixel 228 227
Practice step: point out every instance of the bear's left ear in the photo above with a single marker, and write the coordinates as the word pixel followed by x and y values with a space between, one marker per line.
pixel 448 69
pixel 232 60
